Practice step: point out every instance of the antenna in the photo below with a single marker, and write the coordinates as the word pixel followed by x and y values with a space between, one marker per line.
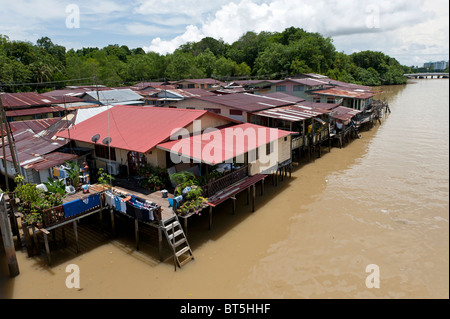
pixel 95 138
pixel 106 140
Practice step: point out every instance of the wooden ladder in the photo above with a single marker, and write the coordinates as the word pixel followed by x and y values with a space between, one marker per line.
pixel 177 240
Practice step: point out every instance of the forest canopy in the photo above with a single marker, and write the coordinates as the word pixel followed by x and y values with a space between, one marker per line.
pixel 45 65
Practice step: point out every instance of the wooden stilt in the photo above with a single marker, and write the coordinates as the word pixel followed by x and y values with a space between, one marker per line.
pixel 160 244
pixel 253 196
pixel 185 226
pixel 113 224
pixel 136 233
pixel 262 187
pixel 75 231
pixel 210 216
pixel 47 249
pixel 234 205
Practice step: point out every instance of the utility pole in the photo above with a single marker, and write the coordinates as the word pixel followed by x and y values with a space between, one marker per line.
pixel 5 165
pixel 12 147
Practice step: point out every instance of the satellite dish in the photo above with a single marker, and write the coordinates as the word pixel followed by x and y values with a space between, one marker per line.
pixel 95 138
pixel 106 140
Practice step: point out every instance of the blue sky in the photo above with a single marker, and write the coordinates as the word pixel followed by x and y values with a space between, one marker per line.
pixel 412 31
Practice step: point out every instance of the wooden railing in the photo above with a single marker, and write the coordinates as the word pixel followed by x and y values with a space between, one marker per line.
pixel 53 215
pixel 217 185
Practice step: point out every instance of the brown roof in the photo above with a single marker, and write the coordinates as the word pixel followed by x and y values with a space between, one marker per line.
pixel 246 101
pixel 34 111
pixel 24 100
pixel 342 92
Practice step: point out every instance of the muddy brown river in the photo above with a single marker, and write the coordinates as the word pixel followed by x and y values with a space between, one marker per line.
pixel 381 200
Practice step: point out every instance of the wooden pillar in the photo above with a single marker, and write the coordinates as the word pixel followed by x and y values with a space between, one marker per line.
pixel 262 187
pixel 75 231
pixel 210 216
pixel 248 195
pixel 113 224
pixel 47 249
pixel 160 244
pixel 136 233
pixel 253 196
pixel 8 241
pixel 185 226
pixel 234 205
pixel 26 235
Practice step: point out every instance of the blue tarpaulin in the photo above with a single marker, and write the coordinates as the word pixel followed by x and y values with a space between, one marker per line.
pixel 81 205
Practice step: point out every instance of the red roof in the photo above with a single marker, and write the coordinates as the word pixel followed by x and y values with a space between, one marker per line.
pixel 133 128
pixel 219 145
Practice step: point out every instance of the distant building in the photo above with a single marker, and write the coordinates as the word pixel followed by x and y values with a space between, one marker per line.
pixel 440 65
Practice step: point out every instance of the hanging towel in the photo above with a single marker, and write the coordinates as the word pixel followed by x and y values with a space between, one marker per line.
pixel 81 205
pixel 62 173
pixel 55 172
pixel 117 202
pixel 109 199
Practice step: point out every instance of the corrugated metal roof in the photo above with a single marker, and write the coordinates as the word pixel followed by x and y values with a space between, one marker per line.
pixel 30 148
pixel 35 125
pixel 50 160
pixel 348 93
pixel 133 128
pixel 246 101
pixel 114 96
pixel 293 113
pixel 23 100
pixel 343 113
pixel 34 111
pixel 225 147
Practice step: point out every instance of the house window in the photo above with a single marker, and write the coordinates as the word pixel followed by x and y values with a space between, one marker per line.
pixel 316 98
pixel 299 88
pixel 217 111
pixel 191 86
pixel 180 86
pixel 235 112
pixel 281 88
pixel 269 147
pixel 202 86
pixel 103 152
pixel 209 86
pixel 330 100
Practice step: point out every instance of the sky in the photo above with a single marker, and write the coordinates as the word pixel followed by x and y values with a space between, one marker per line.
pixel 412 31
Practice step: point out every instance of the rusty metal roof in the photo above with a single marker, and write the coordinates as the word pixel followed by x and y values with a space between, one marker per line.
pixel 247 102
pixel 25 100
pixel 343 113
pixel 35 125
pixel 293 113
pixel 30 147
pixel 346 93
pixel 34 111
pixel 50 160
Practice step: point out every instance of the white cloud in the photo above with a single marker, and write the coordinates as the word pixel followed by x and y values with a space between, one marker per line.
pixel 192 34
pixel 394 26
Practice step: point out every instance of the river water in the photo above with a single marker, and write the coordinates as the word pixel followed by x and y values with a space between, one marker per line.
pixel 381 200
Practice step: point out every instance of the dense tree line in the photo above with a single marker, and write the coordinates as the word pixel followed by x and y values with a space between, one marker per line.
pixel 265 55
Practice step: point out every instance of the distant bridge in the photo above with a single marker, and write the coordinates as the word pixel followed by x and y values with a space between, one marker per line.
pixel 426 75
